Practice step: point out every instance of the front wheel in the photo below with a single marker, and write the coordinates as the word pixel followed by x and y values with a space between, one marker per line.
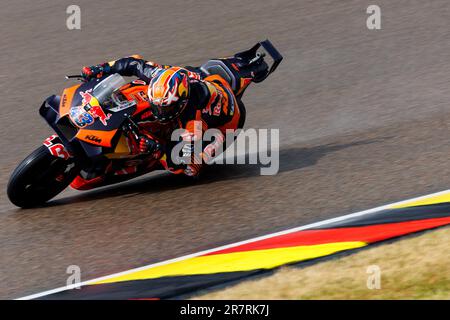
pixel 39 178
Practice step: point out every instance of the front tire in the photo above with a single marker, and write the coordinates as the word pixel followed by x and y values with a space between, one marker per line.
pixel 40 177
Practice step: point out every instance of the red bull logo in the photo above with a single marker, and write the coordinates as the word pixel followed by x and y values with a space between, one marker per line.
pixel 89 110
pixel 92 106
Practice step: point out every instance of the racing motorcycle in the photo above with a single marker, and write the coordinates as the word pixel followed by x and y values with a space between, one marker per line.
pixel 97 124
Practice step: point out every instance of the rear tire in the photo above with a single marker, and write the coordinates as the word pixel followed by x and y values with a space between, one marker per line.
pixel 39 178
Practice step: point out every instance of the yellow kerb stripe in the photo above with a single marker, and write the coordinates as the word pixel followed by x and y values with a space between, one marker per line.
pixel 238 261
pixel 441 198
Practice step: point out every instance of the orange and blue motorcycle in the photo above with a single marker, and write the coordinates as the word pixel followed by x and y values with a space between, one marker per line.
pixel 97 124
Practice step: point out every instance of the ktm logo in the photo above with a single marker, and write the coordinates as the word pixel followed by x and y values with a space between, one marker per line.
pixel 93 138
pixel 63 101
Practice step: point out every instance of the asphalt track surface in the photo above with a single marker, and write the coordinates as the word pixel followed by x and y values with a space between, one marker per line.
pixel 363 118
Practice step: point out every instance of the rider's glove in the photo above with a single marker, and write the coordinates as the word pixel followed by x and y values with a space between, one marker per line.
pixel 192 170
pixel 149 146
pixel 97 71
pixel 194 164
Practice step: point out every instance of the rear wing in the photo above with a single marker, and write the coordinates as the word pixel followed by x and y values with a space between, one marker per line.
pixel 259 51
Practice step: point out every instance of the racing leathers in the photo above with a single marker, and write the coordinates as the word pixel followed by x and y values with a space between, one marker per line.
pixel 211 104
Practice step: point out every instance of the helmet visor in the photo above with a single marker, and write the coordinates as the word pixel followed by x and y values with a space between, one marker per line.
pixel 169 112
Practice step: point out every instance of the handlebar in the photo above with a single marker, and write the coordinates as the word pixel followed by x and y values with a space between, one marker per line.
pixel 75 76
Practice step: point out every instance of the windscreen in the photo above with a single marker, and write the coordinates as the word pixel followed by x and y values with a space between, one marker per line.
pixel 106 87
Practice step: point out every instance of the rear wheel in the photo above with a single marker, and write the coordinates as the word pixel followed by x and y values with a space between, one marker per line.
pixel 39 178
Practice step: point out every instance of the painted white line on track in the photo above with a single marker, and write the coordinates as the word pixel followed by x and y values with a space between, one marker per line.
pixel 193 255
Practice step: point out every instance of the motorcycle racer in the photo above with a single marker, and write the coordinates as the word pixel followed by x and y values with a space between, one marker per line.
pixel 109 130
pixel 184 97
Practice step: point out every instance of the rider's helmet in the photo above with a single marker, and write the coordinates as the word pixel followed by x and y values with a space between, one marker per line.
pixel 168 93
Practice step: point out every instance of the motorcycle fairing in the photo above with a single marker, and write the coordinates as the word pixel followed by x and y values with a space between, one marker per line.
pixel 88 140
pixel 101 138
pixel 243 68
